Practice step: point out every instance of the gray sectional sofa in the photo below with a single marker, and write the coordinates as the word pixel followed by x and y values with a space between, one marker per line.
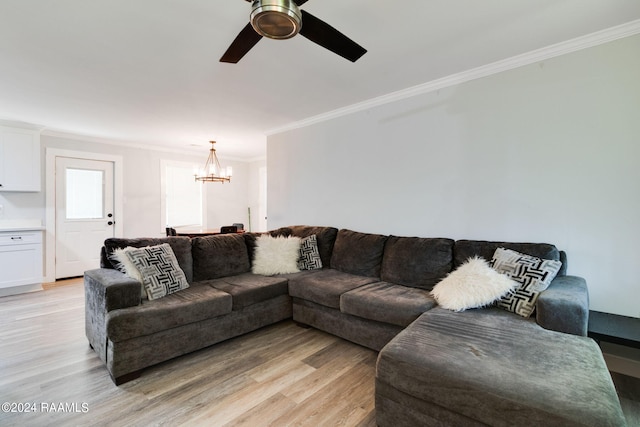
pixel 373 290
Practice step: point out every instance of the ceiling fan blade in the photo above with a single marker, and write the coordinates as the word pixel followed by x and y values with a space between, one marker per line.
pixel 328 37
pixel 241 45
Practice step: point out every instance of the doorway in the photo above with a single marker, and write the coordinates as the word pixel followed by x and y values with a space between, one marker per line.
pixel 84 213
pixel 84 207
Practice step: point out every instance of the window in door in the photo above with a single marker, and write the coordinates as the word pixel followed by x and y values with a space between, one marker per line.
pixel 84 193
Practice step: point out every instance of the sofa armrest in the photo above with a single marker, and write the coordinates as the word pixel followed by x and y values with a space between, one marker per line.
pixel 105 290
pixel 564 306
pixel 115 289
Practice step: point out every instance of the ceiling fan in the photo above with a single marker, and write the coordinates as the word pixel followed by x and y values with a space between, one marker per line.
pixel 283 19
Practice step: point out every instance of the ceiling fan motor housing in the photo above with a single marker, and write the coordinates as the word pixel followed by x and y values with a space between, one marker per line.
pixel 276 19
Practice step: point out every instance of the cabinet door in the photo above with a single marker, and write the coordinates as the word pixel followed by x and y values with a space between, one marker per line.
pixel 20 259
pixel 19 160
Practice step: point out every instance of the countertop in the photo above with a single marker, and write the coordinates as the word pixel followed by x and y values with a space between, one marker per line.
pixel 12 225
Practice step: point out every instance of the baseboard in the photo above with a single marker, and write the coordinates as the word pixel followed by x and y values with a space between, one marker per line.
pixel 621 359
pixel 14 290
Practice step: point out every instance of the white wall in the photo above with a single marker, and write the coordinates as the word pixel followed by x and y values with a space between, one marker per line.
pixel 546 153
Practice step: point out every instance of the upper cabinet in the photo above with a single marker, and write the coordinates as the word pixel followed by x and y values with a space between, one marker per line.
pixel 19 159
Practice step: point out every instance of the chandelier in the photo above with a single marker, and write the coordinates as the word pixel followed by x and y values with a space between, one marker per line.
pixel 212 172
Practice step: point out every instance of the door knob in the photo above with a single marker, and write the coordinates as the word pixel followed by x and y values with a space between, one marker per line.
pixel 110 223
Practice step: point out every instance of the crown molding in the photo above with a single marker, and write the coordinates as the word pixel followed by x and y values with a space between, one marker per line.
pixel 573 45
pixel 21 125
pixel 100 140
pixel 188 150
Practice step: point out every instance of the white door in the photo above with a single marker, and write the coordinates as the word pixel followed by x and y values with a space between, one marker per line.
pixel 84 213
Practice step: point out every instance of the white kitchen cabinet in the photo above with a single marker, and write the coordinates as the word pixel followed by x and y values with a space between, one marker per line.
pixel 19 159
pixel 20 258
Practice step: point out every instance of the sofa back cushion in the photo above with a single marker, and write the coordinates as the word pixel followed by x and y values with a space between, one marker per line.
pixel 218 256
pixel 181 247
pixel 416 262
pixel 358 253
pixel 465 249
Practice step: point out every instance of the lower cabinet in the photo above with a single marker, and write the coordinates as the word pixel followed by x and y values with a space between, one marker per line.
pixel 20 258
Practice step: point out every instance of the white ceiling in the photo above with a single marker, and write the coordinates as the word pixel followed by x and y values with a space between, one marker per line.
pixel 147 71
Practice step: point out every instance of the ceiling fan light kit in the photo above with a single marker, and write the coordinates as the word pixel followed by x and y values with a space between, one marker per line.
pixel 276 19
pixel 283 19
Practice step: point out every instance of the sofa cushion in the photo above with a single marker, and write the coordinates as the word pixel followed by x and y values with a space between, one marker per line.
pixel 299 274
pixel 276 255
pixel 324 287
pixel 387 302
pixel 532 274
pixel 474 284
pixel 465 249
pixel 181 247
pixel 158 269
pixel 415 261
pixel 358 253
pixel 248 289
pixel 491 367
pixel 196 303
pixel 220 255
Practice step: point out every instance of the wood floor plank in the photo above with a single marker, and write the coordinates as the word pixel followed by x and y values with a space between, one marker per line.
pixel 335 400
pixel 265 413
pixel 326 374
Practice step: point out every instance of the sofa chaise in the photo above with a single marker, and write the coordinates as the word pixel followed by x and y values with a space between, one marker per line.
pixel 371 289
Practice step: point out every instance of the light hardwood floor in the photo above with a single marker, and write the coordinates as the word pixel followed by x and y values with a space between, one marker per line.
pixel 279 375
pixel 282 375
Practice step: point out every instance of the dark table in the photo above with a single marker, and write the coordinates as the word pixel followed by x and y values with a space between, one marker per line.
pixel 614 328
pixel 199 232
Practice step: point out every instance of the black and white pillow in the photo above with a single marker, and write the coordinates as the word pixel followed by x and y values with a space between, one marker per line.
pixel 158 267
pixel 533 274
pixel 309 254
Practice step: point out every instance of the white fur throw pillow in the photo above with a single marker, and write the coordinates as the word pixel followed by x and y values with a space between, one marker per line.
pixel 276 255
pixel 122 263
pixel 473 284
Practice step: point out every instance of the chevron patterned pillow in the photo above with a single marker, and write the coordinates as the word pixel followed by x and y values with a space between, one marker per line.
pixel 309 254
pixel 159 269
pixel 533 274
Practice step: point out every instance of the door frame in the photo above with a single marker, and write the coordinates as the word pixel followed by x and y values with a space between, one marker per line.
pixel 50 191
